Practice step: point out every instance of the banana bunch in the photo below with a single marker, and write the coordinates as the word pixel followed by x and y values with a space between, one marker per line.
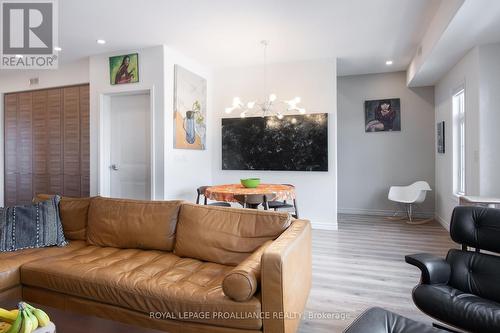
pixel 25 319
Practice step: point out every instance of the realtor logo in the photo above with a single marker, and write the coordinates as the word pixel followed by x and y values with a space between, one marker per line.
pixel 29 34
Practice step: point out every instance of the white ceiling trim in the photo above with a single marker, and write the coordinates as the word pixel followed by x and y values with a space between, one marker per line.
pixel 476 22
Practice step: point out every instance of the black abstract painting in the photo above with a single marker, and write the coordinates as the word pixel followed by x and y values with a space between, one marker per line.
pixel 294 143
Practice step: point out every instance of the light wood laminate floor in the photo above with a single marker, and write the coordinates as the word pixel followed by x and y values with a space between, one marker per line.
pixel 362 265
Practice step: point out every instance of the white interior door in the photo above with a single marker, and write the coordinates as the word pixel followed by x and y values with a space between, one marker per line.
pixel 130 141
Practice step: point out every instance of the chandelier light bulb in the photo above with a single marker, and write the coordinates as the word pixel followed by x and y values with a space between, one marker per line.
pixel 236 102
pixel 292 104
pixel 269 107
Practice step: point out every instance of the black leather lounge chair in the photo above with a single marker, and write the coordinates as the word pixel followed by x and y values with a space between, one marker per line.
pixel 463 291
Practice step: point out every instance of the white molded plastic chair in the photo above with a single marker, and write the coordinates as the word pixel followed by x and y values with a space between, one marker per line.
pixel 409 195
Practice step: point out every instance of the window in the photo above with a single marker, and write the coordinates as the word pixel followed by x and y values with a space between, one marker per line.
pixel 459 141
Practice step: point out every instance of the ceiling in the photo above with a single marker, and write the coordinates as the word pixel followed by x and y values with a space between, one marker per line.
pixel 476 22
pixel 362 34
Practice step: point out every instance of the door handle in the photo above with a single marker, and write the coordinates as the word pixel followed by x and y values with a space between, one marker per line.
pixel 114 167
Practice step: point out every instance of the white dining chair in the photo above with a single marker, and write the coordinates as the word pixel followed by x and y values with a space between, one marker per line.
pixel 410 196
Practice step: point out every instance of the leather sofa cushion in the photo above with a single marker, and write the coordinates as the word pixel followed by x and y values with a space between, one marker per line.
pixel 241 283
pixel 144 281
pixel 467 311
pixel 132 224
pixel 225 236
pixel 10 262
pixel 74 215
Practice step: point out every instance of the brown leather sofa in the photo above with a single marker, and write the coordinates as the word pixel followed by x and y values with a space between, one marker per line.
pixel 170 265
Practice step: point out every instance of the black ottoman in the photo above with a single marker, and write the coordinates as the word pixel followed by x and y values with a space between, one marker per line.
pixel 377 320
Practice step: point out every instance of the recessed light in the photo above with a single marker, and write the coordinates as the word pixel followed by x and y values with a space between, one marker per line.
pixel 101 41
pixel 19 56
pixel 57 49
pixel 388 62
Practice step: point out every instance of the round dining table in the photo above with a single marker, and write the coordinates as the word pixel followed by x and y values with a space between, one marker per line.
pixel 228 191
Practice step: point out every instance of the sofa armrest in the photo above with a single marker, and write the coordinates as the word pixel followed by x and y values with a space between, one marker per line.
pixel 241 283
pixel 286 278
pixel 435 270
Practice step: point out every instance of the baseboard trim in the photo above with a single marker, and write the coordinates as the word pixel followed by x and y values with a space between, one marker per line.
pixel 324 225
pixel 381 212
pixel 443 222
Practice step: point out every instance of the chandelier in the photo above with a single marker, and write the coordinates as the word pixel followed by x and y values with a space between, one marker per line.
pixel 270 106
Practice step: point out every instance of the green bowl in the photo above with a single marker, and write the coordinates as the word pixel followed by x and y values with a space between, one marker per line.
pixel 250 182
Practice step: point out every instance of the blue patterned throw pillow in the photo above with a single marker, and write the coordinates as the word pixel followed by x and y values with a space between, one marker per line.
pixel 31 226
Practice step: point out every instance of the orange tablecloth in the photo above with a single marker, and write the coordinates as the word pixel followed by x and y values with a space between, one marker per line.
pixel 228 191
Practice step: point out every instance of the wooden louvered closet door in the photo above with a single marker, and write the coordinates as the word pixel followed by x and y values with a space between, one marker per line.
pixel 46 143
pixel 24 148
pixel 85 141
pixel 10 148
pixel 54 139
pixel 40 142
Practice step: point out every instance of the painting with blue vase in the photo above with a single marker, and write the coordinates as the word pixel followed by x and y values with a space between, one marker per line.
pixel 190 110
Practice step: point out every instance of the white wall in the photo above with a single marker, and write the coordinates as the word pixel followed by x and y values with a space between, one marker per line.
pixel 369 163
pixel 479 73
pixel 316 83
pixel 185 169
pixel 177 173
pixel 151 77
pixel 464 74
pixel 489 91
pixel 18 80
